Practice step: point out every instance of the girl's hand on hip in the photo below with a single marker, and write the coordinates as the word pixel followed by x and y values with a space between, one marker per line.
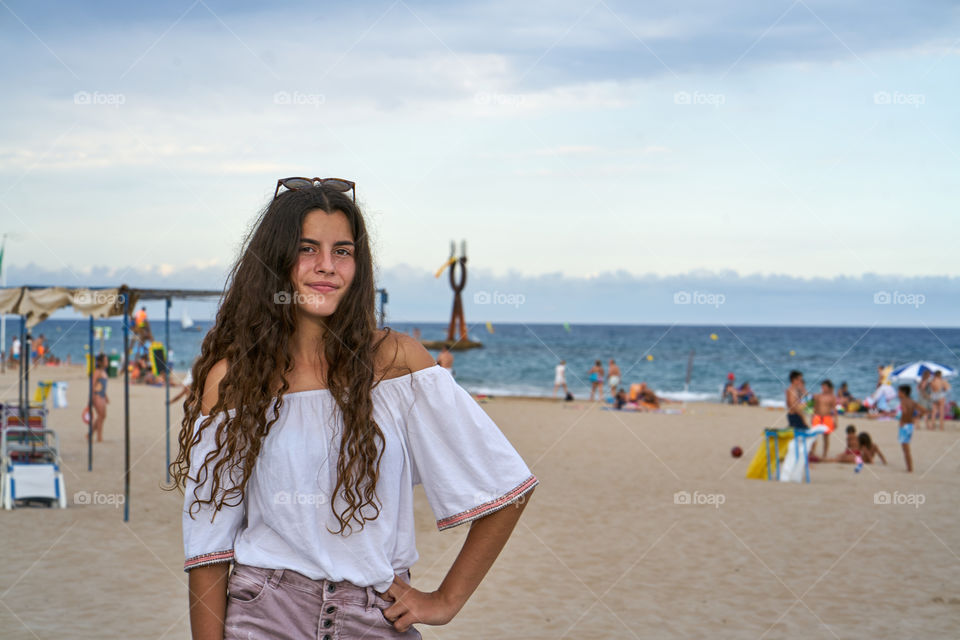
pixel 412 605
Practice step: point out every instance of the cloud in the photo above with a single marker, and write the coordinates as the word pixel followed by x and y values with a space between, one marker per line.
pixel 500 122
pixel 700 297
pixel 611 297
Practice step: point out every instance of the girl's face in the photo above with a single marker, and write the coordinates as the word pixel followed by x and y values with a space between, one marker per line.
pixel 325 263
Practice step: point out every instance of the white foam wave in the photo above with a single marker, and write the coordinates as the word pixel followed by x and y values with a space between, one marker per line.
pixel 688 396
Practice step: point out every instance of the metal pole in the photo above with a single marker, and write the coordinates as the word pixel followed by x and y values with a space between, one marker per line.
pixel 93 363
pixel 126 408
pixel 24 354
pixel 25 409
pixel 169 372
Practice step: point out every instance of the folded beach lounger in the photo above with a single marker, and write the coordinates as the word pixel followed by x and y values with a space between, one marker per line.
pixel 31 467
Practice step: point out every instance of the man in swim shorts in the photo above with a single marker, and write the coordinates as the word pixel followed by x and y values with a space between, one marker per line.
pixel 824 413
pixel 614 377
pixel 908 411
pixel 795 406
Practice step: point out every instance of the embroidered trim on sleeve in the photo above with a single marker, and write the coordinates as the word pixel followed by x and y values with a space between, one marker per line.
pixel 208 558
pixel 488 507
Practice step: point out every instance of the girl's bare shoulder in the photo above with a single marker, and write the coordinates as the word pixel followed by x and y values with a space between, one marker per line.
pixel 399 354
pixel 212 385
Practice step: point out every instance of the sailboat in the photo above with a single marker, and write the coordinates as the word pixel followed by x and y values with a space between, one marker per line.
pixel 187 324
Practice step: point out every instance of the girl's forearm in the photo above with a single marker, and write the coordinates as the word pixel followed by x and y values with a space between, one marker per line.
pixel 486 539
pixel 208 600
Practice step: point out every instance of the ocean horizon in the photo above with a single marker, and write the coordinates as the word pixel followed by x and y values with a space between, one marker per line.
pixel 518 359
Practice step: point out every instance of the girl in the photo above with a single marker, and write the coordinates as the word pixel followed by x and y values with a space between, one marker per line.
pixel 299 456
pixel 100 398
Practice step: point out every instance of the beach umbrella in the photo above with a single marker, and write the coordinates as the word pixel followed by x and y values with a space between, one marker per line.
pixel 914 370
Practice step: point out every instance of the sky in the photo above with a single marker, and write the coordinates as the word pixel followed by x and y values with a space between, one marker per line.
pixel 600 158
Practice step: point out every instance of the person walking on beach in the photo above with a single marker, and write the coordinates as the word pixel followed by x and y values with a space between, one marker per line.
pixel 825 414
pixel 307 439
pixel 445 359
pixel 795 405
pixel 596 380
pixel 908 411
pixel 100 399
pixel 613 373
pixel 560 379
pixel 938 398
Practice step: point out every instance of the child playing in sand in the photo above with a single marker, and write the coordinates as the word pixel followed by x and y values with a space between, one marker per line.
pixel 852 451
pixel 908 411
pixel 621 398
pixel 868 449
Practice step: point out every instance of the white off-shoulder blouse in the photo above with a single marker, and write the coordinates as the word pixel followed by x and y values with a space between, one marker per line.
pixel 434 433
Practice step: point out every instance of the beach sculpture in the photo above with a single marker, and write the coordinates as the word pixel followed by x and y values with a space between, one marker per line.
pixel 457 320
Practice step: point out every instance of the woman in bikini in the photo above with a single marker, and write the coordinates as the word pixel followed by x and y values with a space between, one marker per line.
pixel 298 459
pixel 596 380
pixel 100 399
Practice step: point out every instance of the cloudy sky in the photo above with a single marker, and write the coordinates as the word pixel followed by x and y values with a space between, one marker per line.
pixel 601 158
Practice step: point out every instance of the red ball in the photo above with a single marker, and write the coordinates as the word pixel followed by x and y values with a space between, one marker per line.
pixel 736 452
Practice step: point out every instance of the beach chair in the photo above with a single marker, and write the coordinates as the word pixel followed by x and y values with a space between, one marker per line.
pixel 31 467
pixel 766 461
pixel 36 421
pixel 36 416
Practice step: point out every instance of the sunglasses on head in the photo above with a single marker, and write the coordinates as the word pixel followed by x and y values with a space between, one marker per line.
pixel 337 184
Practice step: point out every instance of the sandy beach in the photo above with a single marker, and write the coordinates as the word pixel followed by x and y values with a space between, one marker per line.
pixel 603 551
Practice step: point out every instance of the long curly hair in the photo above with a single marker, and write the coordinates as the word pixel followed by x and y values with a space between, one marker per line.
pixel 254 334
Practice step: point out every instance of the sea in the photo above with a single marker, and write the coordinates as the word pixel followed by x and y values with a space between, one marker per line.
pixel 685 363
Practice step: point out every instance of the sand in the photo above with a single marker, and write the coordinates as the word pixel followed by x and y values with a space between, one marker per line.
pixel 603 550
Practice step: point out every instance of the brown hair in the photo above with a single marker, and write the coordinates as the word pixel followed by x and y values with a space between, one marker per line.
pixel 253 332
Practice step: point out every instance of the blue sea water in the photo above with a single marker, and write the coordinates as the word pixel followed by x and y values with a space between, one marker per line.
pixel 519 359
